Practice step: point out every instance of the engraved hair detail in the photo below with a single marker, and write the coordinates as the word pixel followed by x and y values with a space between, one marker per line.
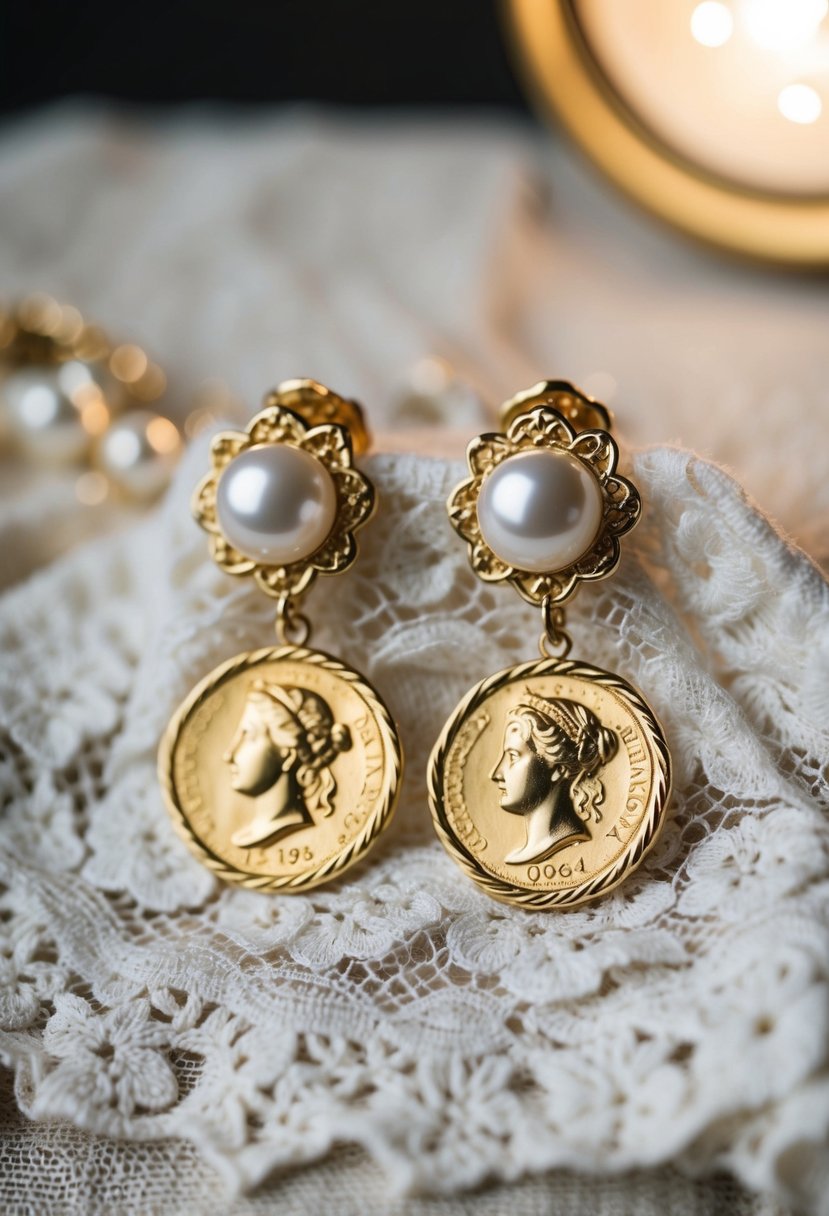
pixel 316 738
pixel 566 734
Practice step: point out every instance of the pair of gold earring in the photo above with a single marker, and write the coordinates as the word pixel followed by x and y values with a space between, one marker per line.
pixel 549 782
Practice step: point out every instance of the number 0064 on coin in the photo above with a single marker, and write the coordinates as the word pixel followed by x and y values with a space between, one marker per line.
pixel 549 783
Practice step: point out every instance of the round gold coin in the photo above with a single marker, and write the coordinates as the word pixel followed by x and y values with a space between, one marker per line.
pixel 549 783
pixel 280 768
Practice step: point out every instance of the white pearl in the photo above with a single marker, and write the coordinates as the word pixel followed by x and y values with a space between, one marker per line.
pixel 540 511
pixel 138 453
pixel 45 410
pixel 276 504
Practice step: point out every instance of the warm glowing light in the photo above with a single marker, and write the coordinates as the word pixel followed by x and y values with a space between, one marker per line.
pixel 71 325
pixel 712 23
pixel 800 103
pixel 197 420
pixel 163 436
pixel 95 416
pixel 781 25
pixel 91 489
pixel 151 385
pixel 40 313
pixel 128 363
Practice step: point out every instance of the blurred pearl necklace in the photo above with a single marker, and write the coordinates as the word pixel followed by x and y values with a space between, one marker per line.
pixel 69 398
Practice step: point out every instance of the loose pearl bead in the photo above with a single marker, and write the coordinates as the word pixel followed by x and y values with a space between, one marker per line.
pixel 540 511
pixel 49 410
pixel 139 452
pixel 276 504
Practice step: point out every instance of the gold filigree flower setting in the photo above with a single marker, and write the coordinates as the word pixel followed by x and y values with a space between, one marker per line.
pixel 589 456
pixel 347 496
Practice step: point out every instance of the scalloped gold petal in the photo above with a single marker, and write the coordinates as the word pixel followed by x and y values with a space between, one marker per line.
pixel 285 580
pixel 336 555
pixel 203 503
pixel 486 565
pixel 486 451
pixel 543 427
pixel 225 446
pixel 462 507
pixel 623 505
pixel 597 449
pixel 602 559
pixel 275 424
pixel 330 444
pixel 464 497
pixel 227 558
pixel 355 499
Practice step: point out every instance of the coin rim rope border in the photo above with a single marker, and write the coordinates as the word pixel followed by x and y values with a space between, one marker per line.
pixel 646 834
pixel 378 820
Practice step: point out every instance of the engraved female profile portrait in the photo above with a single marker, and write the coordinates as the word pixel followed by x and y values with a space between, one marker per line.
pixel 548 772
pixel 281 756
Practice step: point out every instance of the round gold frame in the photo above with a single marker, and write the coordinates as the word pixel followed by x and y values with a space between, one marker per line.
pixel 356 848
pixel 643 838
pixel 563 74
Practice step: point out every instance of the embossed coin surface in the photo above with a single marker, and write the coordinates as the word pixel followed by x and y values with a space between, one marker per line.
pixel 280 768
pixel 549 783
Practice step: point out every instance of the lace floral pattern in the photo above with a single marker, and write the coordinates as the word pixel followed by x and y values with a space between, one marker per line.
pixel 683 1017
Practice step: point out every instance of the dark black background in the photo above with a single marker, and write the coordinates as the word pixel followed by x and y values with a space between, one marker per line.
pixel 356 52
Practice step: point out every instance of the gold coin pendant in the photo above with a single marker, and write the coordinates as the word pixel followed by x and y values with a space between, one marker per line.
pixel 280 768
pixel 549 783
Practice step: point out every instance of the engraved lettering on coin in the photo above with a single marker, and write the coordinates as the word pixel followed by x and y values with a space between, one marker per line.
pixel 548 772
pixel 548 784
pixel 280 768
pixel 282 756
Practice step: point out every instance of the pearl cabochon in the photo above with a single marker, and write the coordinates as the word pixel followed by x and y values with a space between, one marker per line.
pixel 276 504
pixel 540 511
pixel 42 416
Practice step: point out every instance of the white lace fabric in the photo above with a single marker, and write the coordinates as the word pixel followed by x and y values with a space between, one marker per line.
pixel 683 1018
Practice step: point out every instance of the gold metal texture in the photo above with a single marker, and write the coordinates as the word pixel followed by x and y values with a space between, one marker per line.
pixel 563 75
pixel 549 783
pixel 318 405
pixel 280 769
pixel 308 423
pixel 38 331
pixel 545 427
pixel 582 412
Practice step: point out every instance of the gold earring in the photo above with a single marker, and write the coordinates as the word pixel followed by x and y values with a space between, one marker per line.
pixel 282 503
pixel 549 782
